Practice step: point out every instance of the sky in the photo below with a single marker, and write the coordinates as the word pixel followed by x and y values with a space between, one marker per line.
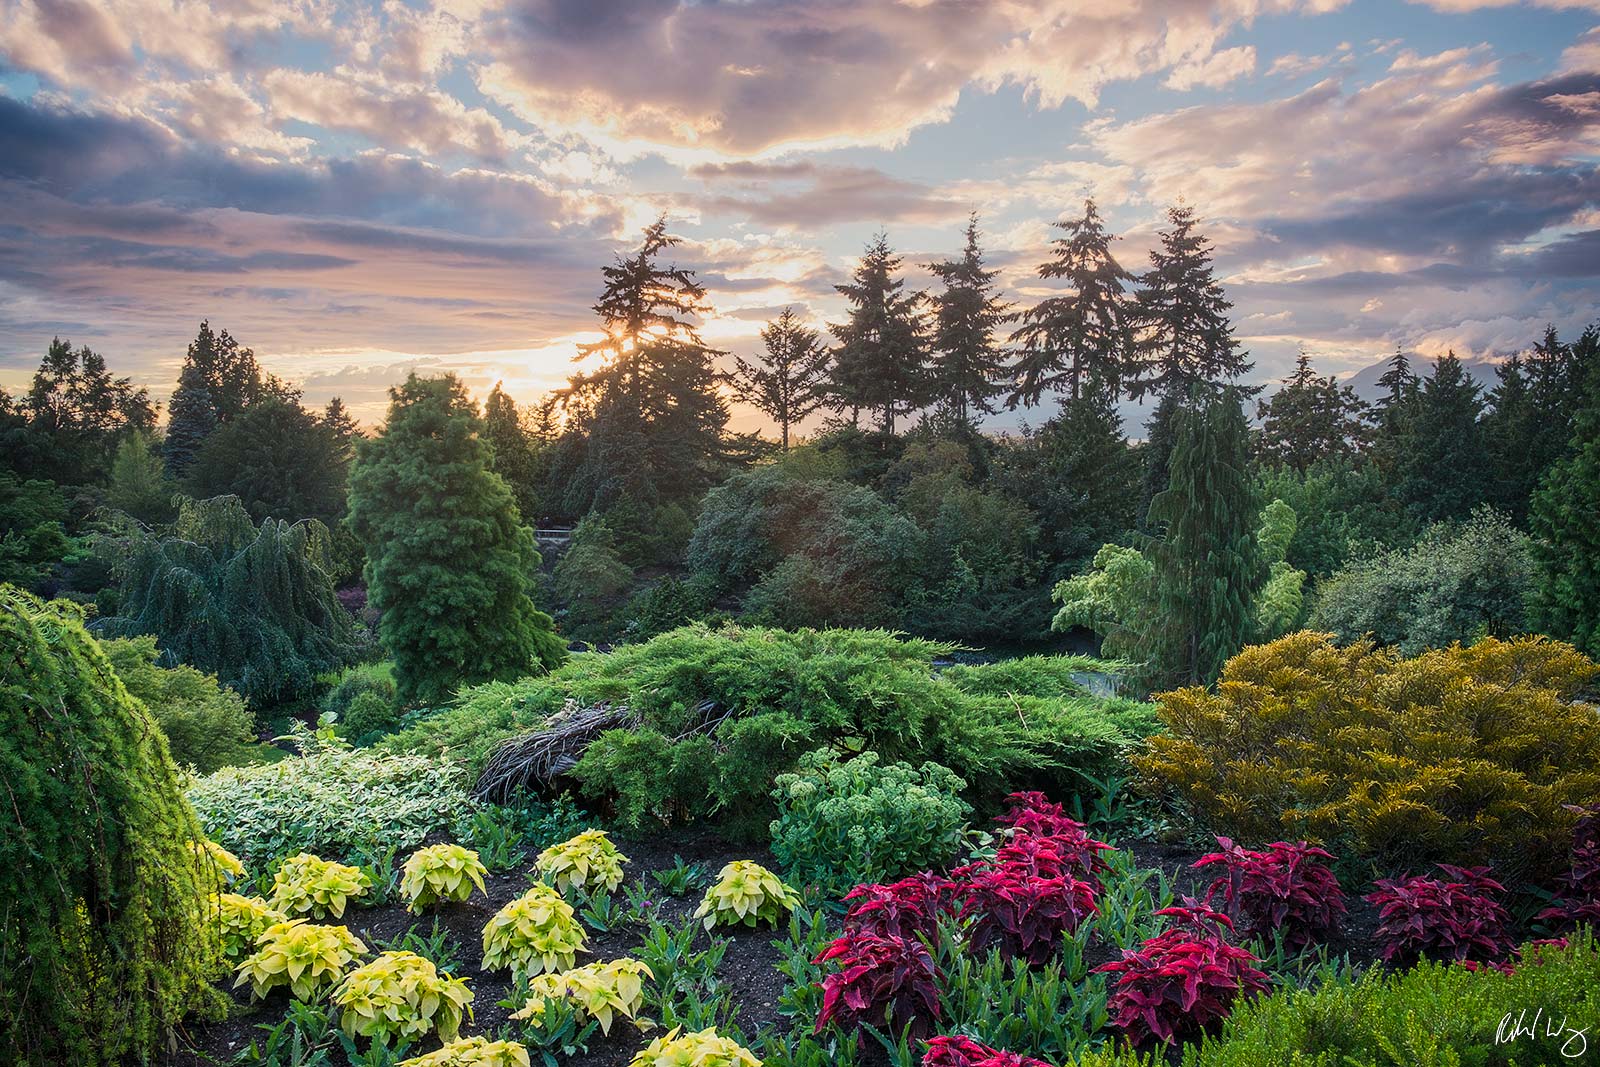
pixel 357 190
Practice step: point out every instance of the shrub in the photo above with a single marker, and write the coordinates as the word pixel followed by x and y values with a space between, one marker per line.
pixel 1285 888
pixel 347 686
pixel 1459 753
pixel 473 1052
pixel 104 934
pixel 878 980
pixel 1431 1014
pixel 1035 815
pixel 598 991
pixel 206 723
pixel 703 1048
pixel 369 717
pixel 909 908
pixel 1455 584
pixel 1578 897
pixel 440 873
pixel 309 885
pixel 965 1052
pixel 1458 917
pixel 305 957
pixel 721 713
pixel 401 995
pixel 535 933
pixel 244 920
pixel 331 800
pixel 746 892
pixel 1178 985
pixel 587 861
pixel 841 824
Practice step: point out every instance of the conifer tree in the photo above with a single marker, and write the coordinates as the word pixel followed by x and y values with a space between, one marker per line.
pixel 1528 426
pixel 1390 417
pixel 139 484
pixel 1209 565
pixel 219 380
pixel 1081 340
pixel 279 459
pixel 513 451
pixel 191 418
pixel 1183 336
pixel 341 428
pixel 967 367
pixel 1311 418
pixel 79 413
pixel 1441 469
pixel 789 384
pixel 881 361
pixel 1565 519
pixel 449 564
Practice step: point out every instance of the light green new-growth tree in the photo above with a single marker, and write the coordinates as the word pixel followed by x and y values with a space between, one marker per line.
pixel 449 563
pixel 1115 598
pixel 1282 599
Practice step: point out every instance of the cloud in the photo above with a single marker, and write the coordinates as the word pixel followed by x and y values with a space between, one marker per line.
pixel 805 194
pixel 1214 70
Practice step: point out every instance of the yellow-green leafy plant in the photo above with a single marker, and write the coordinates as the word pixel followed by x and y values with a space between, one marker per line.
pixel 748 893
pixel 244 920
pixel 535 933
pixel 440 873
pixel 309 885
pixel 473 1052
pixel 1460 754
pixel 402 995
pixel 587 861
pixel 226 865
pixel 702 1048
pixel 303 956
pixel 598 991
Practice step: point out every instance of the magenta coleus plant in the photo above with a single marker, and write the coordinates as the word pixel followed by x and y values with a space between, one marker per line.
pixel 909 908
pixel 965 1052
pixel 1024 912
pixel 875 975
pixel 1181 983
pixel 1034 815
pixel 1578 891
pixel 1457 917
pixel 1285 888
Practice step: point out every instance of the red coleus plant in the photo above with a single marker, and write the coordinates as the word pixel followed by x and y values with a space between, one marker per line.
pixel 876 974
pixel 907 908
pixel 1034 815
pixel 1578 896
pixel 1285 888
pixel 1181 983
pixel 965 1052
pixel 1457 917
pixel 1014 904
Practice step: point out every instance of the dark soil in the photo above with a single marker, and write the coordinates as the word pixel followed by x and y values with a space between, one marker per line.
pixel 747 969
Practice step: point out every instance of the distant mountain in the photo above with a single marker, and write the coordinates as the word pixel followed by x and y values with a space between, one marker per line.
pixel 1365 380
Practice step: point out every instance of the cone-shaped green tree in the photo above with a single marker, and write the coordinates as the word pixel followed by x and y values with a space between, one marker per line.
pixel 449 563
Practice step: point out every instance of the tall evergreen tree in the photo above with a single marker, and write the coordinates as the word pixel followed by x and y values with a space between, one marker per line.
pixel 1081 340
pixel 448 563
pixel 967 366
pixel 1391 416
pixel 513 450
pixel 1441 467
pixel 1565 519
pixel 790 383
pixel 881 361
pixel 219 380
pixel 1183 336
pixel 1311 418
pixel 279 459
pixel 1528 426
pixel 1209 565
pixel 139 484
pixel 82 413
pixel 341 428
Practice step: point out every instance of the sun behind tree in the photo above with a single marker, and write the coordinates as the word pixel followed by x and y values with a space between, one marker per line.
pixel 449 563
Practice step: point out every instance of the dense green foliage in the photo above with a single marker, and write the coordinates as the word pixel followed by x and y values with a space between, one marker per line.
pixel 1458 754
pixel 1458 582
pixel 788 385
pixel 363 699
pixel 966 362
pixel 1566 518
pixel 450 564
pixel 279 459
pixel 105 937
pixel 844 822
pixel 252 605
pixel 722 712
pixel 881 361
pixel 33 537
pixel 207 724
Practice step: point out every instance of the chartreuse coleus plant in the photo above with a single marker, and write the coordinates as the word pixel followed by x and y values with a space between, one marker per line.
pixel 473 1052
pixel 305 957
pixel 401 995
pixel 535 933
pixel 309 885
pixel 598 991
pixel 748 893
pixel 440 873
pixel 588 861
pixel 244 920
pixel 703 1048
